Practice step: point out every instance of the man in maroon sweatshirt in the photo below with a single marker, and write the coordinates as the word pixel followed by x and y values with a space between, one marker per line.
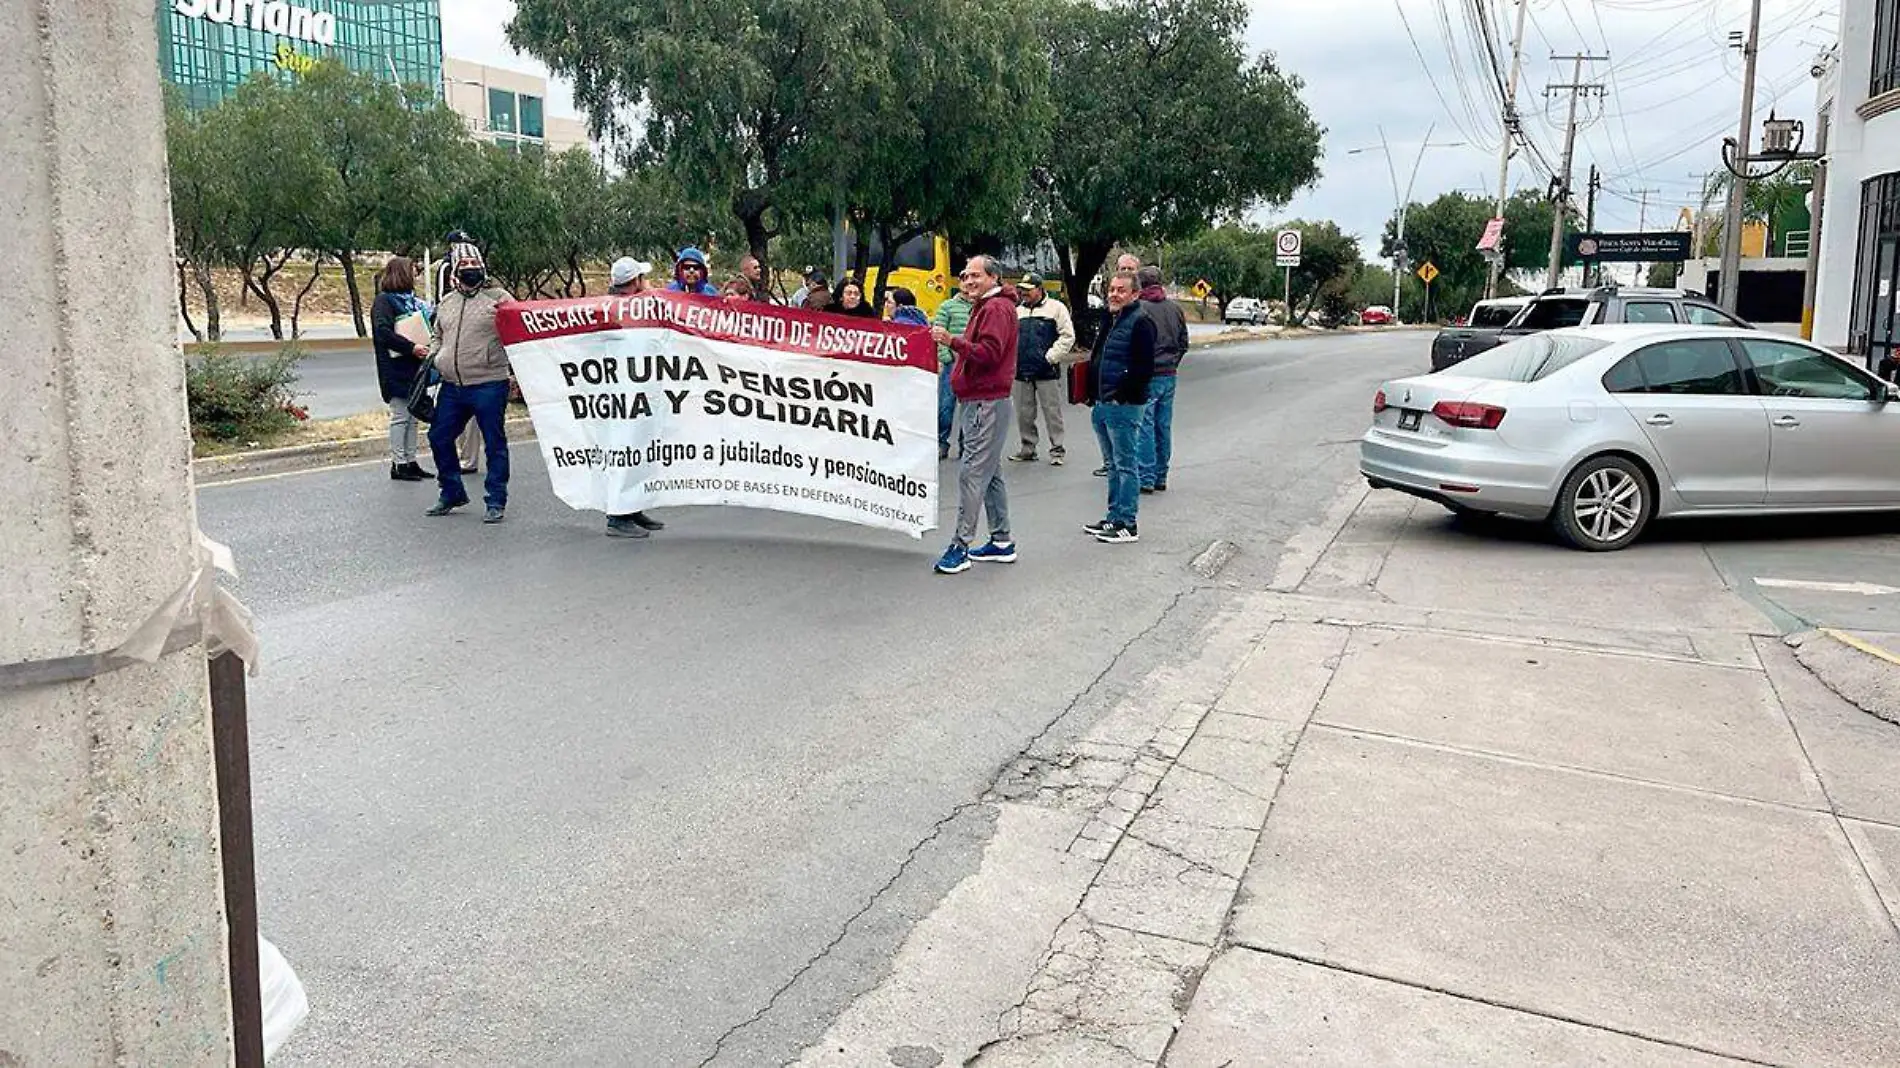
pixel 981 377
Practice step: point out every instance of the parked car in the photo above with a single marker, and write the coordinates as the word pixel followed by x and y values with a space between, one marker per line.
pixel 1244 310
pixel 1377 315
pixel 1600 429
pixel 1557 308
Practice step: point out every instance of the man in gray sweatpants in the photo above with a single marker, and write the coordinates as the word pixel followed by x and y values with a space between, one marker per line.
pixel 981 378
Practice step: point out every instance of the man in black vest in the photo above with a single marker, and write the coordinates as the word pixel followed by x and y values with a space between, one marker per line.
pixel 1119 374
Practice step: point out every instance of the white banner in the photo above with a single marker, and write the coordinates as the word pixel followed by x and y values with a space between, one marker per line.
pixel 668 399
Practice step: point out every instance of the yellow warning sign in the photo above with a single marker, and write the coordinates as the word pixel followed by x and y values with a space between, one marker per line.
pixel 1427 272
pixel 1202 289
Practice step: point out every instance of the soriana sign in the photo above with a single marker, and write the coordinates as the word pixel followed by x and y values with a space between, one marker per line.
pixel 268 16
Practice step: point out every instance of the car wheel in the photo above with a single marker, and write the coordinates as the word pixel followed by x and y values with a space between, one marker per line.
pixel 1604 505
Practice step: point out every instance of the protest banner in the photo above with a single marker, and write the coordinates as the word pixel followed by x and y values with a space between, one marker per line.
pixel 667 399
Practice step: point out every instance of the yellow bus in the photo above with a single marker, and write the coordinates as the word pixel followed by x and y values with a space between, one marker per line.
pixel 922 265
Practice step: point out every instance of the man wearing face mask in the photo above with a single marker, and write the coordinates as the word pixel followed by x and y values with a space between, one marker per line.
pixel 474 369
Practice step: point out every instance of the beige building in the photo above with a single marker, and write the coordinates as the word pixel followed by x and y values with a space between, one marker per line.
pixel 507 107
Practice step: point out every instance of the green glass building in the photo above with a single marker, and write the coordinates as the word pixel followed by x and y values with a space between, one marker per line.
pixel 207 48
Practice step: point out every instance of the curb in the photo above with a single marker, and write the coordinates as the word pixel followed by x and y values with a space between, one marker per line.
pixel 271 348
pixel 1855 669
pixel 1862 644
pixel 258 463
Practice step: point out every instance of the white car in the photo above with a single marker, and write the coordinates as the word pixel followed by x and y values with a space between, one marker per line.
pixel 1600 429
pixel 1244 310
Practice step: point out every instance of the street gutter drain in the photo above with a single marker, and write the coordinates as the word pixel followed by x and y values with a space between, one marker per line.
pixel 1213 558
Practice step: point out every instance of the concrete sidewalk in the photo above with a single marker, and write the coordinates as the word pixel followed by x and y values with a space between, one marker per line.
pixel 1437 798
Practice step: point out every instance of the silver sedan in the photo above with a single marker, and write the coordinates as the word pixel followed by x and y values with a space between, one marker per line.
pixel 1600 429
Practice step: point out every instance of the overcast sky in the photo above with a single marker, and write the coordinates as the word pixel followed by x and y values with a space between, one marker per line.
pixel 1673 91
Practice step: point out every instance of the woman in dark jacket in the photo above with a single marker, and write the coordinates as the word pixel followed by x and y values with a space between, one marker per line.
pixel 398 361
pixel 851 300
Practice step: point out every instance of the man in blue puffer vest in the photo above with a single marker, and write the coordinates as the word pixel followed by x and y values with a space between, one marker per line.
pixel 1119 373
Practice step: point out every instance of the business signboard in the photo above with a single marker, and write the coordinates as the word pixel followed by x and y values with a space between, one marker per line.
pixel 1660 246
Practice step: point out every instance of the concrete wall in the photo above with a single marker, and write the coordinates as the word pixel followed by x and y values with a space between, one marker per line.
pixel 1859 149
pixel 112 931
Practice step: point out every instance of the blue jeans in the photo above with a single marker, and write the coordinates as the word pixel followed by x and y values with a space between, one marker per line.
pixel 946 407
pixel 1117 426
pixel 1157 432
pixel 487 404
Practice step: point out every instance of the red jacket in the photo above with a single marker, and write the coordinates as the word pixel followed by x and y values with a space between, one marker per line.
pixel 986 353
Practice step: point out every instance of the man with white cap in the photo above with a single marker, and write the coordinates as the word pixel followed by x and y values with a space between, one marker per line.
pixel 627 277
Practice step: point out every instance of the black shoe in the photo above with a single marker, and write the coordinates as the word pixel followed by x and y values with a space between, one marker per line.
pixel 493 515
pixel 470 469
pixel 648 522
pixel 1027 456
pixel 1098 528
pixel 407 473
pixel 618 527
pixel 1101 472
pixel 444 507
pixel 1147 489
pixel 422 474
pixel 943 452
pixel 1161 487
pixel 1119 534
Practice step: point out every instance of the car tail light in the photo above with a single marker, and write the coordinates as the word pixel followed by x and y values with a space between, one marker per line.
pixel 1378 402
pixel 1469 414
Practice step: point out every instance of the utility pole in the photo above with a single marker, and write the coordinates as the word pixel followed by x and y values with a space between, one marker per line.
pixel 115 945
pixel 1577 88
pixel 1814 232
pixel 1592 273
pixel 1642 225
pixel 1509 123
pixel 1731 293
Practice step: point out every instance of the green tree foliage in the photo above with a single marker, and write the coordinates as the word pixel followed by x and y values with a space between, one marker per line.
pixel 1162 125
pixel 1234 261
pixel 949 148
pixel 1445 233
pixel 506 200
pixel 201 204
pixel 386 155
pixel 755 103
pixel 267 140
pixel 1779 201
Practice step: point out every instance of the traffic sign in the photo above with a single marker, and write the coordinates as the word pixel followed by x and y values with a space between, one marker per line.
pixel 1202 289
pixel 1286 248
pixel 1427 272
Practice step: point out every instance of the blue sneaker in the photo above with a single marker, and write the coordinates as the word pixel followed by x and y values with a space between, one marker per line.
pixel 996 552
pixel 955 561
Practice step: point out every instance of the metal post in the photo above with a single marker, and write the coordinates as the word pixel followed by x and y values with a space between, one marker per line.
pixel 1814 233
pixel 1398 204
pixel 231 744
pixel 1731 293
pixel 1504 149
pixel 1591 270
pixel 1289 296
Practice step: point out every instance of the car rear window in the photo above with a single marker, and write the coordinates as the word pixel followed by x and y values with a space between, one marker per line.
pixel 1554 313
pixel 1488 316
pixel 1528 358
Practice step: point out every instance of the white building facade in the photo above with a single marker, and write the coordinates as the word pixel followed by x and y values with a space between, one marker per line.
pixel 1857 287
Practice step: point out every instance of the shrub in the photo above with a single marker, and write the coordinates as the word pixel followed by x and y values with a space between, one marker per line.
pixel 242 398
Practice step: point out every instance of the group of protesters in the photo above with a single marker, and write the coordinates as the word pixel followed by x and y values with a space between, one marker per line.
pixel 1000 346
pixel 1003 346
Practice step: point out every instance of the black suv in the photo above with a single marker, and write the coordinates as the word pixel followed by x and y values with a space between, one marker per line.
pixel 1556 308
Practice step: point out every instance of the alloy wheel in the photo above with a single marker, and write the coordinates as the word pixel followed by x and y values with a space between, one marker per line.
pixel 1609 504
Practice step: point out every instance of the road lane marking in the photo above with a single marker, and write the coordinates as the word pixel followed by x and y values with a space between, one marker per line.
pixel 1865 589
pixel 1862 644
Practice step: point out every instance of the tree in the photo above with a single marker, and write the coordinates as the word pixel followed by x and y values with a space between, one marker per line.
pixel 386 156
pixel 1445 233
pixel 507 200
pixel 936 158
pixel 1779 202
pixel 1663 275
pixel 749 102
pixel 1234 261
pixel 1162 126
pixel 201 204
pixel 267 139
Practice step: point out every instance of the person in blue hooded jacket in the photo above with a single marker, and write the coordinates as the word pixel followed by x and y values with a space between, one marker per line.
pixel 690 274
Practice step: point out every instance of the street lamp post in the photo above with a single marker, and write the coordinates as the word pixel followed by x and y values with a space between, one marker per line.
pixel 1402 202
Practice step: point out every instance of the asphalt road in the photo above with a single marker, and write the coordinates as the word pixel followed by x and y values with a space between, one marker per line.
pixel 529 795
